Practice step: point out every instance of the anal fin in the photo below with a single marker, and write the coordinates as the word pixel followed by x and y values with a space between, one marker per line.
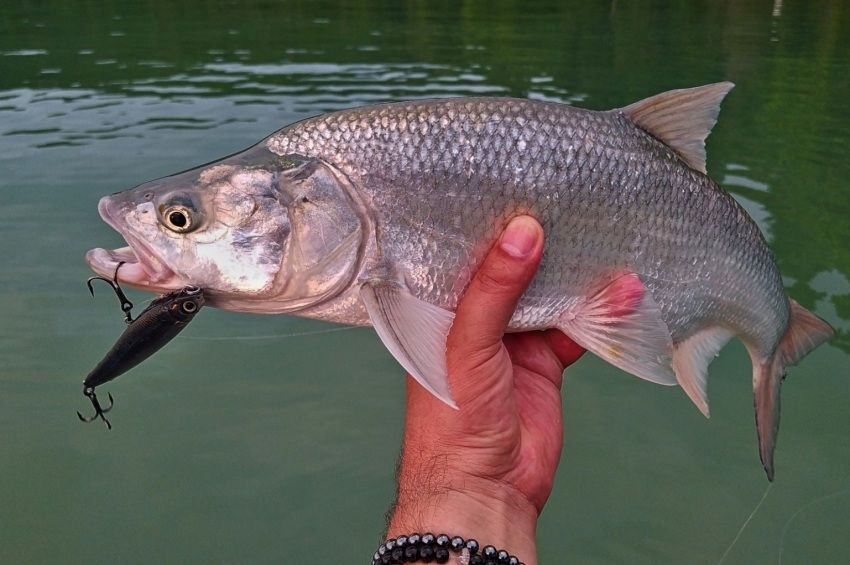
pixel 691 358
pixel 622 324
pixel 414 331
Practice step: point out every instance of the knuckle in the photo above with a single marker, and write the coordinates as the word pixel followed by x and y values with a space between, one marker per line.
pixel 496 281
pixel 473 358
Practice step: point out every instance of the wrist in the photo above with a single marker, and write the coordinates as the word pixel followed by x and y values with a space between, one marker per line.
pixel 488 511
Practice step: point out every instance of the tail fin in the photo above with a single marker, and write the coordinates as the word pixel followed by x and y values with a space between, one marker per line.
pixel 805 332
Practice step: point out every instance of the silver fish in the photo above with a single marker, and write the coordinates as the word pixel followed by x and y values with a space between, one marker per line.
pixel 380 215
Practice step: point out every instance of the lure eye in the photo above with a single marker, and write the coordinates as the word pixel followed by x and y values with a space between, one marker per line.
pixel 190 307
pixel 178 219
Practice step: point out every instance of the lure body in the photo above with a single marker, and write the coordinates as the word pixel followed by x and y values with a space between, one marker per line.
pixel 158 324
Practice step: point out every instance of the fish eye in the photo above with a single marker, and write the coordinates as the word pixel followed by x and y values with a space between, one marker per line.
pixel 189 306
pixel 178 219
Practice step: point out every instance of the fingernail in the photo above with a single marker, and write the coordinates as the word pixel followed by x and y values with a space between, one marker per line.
pixel 520 237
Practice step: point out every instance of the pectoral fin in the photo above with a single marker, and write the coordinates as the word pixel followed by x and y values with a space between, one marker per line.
pixel 623 325
pixel 414 331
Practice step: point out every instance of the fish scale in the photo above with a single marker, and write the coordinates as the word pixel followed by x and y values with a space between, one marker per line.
pixel 592 170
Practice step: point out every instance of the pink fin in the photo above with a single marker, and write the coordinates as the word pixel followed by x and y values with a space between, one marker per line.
pixel 805 332
pixel 690 362
pixel 682 119
pixel 622 324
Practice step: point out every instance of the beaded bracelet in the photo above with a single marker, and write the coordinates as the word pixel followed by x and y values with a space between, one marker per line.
pixel 428 547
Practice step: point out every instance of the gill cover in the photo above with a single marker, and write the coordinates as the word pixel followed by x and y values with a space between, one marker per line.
pixel 327 237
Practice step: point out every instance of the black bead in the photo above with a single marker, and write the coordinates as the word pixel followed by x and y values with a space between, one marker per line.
pixel 427 548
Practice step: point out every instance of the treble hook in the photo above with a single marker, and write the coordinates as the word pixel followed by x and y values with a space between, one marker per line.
pixel 99 411
pixel 126 305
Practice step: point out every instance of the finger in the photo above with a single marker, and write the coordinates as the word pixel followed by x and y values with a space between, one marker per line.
pixel 565 349
pixel 543 353
pixel 490 300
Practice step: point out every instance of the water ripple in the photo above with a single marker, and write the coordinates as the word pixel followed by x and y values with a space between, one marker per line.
pixel 24 52
pixel 194 99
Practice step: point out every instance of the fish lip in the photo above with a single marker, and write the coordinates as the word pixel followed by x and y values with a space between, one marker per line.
pixel 143 268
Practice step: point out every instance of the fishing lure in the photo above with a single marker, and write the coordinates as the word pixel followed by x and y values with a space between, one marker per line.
pixel 164 318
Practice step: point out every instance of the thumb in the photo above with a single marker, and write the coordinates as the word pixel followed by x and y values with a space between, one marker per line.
pixel 491 298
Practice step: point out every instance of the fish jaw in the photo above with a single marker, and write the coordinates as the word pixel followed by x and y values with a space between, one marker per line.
pixel 141 267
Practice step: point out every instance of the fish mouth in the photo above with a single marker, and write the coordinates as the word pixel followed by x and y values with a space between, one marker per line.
pixel 141 267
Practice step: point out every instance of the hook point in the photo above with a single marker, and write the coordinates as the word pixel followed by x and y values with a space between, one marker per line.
pixel 99 411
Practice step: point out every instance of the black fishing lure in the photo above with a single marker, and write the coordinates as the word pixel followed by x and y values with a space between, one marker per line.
pixel 164 318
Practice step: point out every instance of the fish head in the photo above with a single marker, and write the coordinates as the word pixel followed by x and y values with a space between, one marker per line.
pixel 256 231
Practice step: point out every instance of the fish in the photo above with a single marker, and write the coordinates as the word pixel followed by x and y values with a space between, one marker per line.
pixel 380 215
pixel 159 323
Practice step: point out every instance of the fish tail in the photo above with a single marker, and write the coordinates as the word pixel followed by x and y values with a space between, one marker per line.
pixel 805 332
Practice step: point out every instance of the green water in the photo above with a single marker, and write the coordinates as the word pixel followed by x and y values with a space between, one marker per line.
pixel 283 449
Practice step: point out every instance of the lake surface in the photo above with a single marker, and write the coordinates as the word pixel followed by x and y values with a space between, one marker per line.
pixel 269 439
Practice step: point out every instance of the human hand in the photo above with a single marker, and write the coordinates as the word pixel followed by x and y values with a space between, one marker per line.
pixel 486 470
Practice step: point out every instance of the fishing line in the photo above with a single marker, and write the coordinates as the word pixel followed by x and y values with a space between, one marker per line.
pixel 800 510
pixel 269 336
pixel 744 525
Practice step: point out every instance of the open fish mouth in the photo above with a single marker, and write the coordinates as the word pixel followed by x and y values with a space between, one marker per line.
pixel 142 267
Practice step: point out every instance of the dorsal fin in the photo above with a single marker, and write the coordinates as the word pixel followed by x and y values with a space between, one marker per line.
pixel 682 119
